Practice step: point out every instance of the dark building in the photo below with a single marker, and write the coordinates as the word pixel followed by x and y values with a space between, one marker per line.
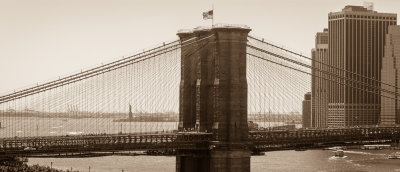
pixel 319 86
pixel 390 109
pixel 307 110
pixel 356 47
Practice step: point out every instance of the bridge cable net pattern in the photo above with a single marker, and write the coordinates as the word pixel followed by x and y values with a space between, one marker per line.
pixel 291 79
pixel 275 93
pixel 99 100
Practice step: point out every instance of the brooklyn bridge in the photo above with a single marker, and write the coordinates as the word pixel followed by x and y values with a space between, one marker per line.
pixel 196 96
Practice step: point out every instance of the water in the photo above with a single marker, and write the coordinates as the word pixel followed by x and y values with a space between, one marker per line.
pixel 310 160
pixel 324 160
pixel 35 126
pixel 110 163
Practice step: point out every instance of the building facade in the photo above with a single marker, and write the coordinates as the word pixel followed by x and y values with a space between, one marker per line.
pixel 390 109
pixel 319 83
pixel 355 50
pixel 306 115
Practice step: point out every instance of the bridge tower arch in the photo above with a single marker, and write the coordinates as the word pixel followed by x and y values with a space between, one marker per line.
pixel 213 98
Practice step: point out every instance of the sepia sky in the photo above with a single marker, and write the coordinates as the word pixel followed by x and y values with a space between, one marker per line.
pixel 43 39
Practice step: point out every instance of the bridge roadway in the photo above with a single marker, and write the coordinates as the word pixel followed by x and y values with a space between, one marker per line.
pixel 314 138
pixel 258 141
pixel 102 143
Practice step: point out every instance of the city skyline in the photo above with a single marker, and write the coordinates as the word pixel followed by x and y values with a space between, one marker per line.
pixel 351 49
pixel 356 48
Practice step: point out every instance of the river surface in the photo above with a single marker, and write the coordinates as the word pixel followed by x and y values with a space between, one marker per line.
pixel 310 160
pixel 36 127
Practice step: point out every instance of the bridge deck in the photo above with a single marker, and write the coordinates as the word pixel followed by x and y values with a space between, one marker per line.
pixel 259 141
pixel 101 143
pixel 285 139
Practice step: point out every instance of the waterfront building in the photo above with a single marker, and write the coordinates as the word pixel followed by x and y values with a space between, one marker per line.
pixel 319 83
pixel 356 47
pixel 390 109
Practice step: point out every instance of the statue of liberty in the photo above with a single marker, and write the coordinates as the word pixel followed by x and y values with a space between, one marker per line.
pixel 130 112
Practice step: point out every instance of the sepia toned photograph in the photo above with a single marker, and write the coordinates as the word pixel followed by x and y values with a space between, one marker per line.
pixel 199 86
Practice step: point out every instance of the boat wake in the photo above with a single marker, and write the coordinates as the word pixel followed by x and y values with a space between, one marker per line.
pixel 337 157
pixel 75 132
pixel 363 153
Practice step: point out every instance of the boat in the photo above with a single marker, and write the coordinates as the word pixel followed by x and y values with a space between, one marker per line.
pixel 258 153
pixel 339 153
pixel 336 148
pixel 375 147
pixel 395 155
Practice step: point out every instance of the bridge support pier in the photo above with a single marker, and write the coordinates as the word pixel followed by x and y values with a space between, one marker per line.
pixel 213 98
pixel 230 161
pixel 196 161
pixel 214 161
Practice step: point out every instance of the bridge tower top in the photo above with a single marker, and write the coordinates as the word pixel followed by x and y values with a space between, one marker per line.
pixel 213 88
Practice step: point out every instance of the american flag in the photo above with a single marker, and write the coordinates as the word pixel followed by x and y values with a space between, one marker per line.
pixel 208 15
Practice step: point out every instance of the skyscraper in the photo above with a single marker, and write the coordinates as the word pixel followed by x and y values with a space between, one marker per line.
pixel 306 115
pixel 390 110
pixel 356 47
pixel 319 85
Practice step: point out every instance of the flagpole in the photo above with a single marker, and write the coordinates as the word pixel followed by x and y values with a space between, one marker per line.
pixel 212 21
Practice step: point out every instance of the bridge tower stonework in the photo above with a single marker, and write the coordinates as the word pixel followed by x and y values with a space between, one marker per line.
pixel 213 98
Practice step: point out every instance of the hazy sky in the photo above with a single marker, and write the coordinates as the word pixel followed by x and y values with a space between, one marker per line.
pixel 44 39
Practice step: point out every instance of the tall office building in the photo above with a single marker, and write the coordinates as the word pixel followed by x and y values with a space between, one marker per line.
pixel 390 109
pixel 319 85
pixel 306 115
pixel 356 47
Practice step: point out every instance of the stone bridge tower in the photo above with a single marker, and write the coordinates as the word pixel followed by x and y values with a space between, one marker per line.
pixel 213 98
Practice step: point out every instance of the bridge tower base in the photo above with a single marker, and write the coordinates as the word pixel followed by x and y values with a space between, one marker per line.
pixel 214 161
pixel 193 161
pixel 230 161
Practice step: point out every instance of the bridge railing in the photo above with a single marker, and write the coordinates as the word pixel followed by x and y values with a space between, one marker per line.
pixel 318 137
pixel 102 143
